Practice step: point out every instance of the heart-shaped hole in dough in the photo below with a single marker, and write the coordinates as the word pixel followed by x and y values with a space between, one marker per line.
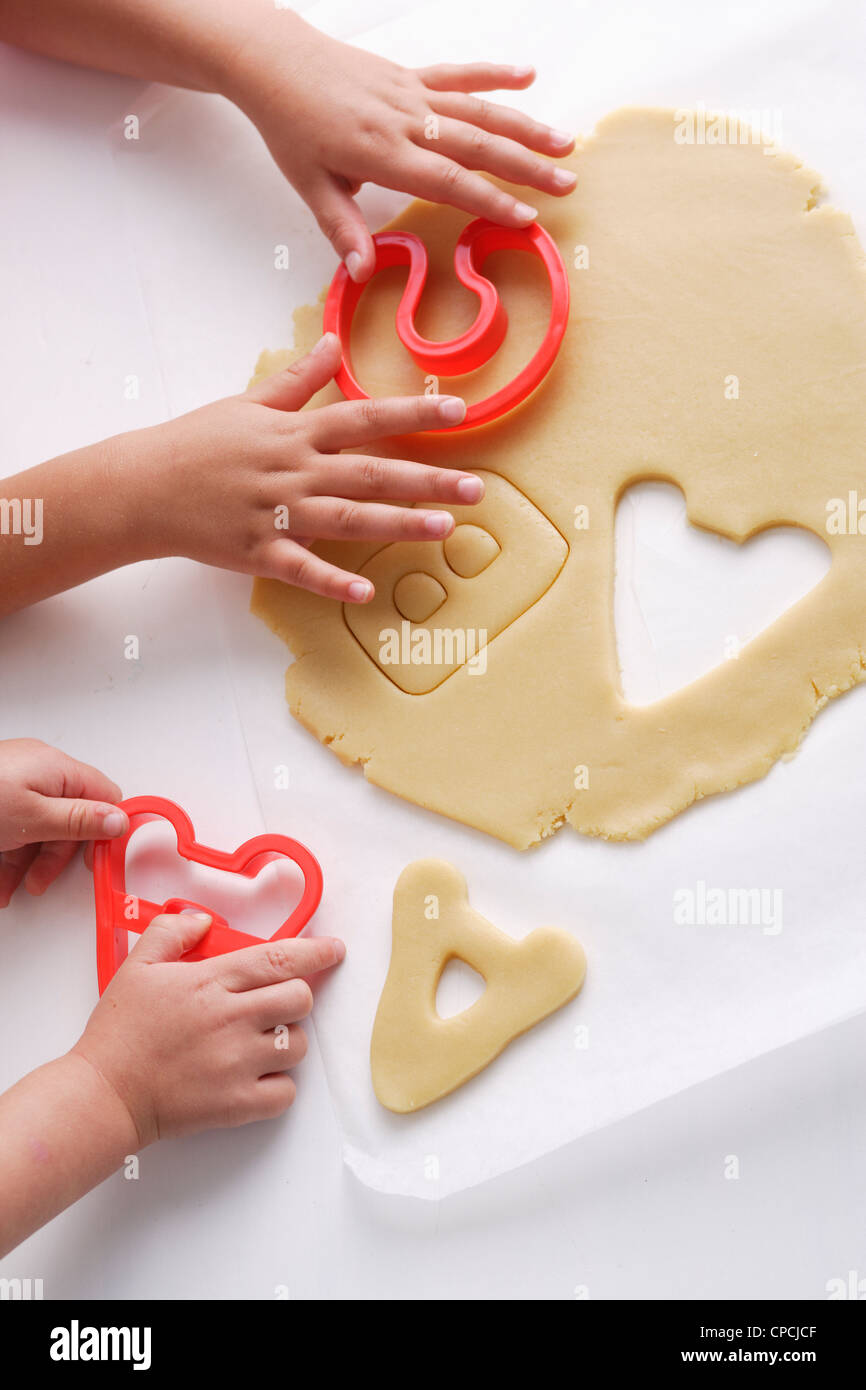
pixel 686 599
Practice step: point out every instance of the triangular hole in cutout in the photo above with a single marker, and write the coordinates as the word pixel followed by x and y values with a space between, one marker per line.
pixel 685 600
pixel 458 989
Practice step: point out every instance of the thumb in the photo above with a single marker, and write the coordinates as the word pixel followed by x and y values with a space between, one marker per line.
pixel 293 387
pixel 342 222
pixel 169 936
pixel 73 818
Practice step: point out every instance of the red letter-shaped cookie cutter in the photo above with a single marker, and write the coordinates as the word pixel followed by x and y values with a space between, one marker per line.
pixel 478 344
pixel 113 903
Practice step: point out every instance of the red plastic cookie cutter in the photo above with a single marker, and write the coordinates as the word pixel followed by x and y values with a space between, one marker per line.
pixel 113 921
pixel 478 344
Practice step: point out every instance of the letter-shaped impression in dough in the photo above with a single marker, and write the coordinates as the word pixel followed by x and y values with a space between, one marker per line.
pixel 417 1057
pixel 497 576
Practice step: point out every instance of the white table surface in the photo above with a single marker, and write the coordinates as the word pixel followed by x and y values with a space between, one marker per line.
pixel 640 1209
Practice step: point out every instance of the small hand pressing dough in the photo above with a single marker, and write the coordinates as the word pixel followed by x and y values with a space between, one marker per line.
pixel 417 1057
pixel 717 340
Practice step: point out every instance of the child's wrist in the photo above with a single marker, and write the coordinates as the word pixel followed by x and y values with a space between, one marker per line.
pixel 120 1131
pixel 136 470
pixel 208 40
pixel 243 70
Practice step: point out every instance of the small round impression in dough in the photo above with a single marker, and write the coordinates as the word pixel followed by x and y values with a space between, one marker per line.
pixel 469 550
pixel 417 596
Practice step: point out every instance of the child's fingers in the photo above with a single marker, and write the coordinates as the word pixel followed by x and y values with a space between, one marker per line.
pixel 336 519
pixel 272 1096
pixel 169 936
pixel 14 864
pixel 70 818
pixel 366 476
pixel 76 778
pixel 476 77
pixel 263 1098
pixel 282 1046
pixel 291 562
pixel 349 423
pixel 475 148
pixel 502 120
pixel 287 1002
pixel 49 863
pixel 294 385
pixel 342 222
pixel 276 961
pixel 442 180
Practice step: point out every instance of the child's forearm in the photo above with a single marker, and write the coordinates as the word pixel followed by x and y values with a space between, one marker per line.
pixel 66 521
pixel 63 1130
pixel 188 43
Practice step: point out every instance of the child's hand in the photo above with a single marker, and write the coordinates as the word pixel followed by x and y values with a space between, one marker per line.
pixel 172 1047
pixel 249 482
pixel 334 117
pixel 49 803
pixel 191 1045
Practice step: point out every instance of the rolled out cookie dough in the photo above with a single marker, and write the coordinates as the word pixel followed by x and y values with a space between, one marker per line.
pixel 690 264
pixel 416 1056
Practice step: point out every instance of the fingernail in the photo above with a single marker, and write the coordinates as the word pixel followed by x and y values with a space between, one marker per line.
pixel 525 212
pixel 353 264
pixel 452 408
pixel 522 71
pixel 564 177
pixel 198 917
pixel 561 137
pixel 339 947
pixel 470 489
pixel 438 523
pixel 323 342
pixel 360 590
pixel 114 823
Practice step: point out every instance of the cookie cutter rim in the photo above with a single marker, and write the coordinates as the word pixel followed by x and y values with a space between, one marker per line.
pixel 109 885
pixel 474 347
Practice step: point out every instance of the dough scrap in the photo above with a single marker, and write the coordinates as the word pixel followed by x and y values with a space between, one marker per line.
pixel 417 1057
pixel 690 264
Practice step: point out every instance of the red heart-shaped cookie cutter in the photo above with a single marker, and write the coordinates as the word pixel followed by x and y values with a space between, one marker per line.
pixel 113 921
pixel 478 344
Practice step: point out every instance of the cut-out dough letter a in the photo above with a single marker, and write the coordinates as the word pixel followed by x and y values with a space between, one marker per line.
pixel 416 1056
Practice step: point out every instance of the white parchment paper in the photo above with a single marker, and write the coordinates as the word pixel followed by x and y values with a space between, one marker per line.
pixel 665 1004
